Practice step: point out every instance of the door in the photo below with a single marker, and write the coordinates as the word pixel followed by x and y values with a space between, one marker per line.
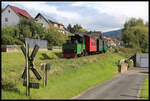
pixel 144 62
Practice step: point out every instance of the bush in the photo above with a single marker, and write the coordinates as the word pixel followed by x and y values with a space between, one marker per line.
pixel 130 63
pixel 110 50
pixel 128 52
pixel 18 42
pixel 7 40
pixel 13 32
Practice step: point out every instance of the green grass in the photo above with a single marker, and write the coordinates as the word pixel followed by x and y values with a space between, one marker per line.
pixel 72 76
pixel 145 91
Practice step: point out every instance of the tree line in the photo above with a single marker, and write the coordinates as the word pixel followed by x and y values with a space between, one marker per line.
pixel 75 28
pixel 27 28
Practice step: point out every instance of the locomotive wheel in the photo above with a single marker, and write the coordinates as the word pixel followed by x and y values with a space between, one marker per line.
pixel 79 55
pixel 85 53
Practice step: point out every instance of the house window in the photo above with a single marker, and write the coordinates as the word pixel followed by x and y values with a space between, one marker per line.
pixel 41 24
pixel 8 11
pixel 6 19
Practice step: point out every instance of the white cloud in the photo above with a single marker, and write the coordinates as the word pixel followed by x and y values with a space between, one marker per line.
pixel 129 9
pixel 121 10
pixel 44 7
pixel 115 13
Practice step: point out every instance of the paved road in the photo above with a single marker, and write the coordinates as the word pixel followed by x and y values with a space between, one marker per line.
pixel 123 86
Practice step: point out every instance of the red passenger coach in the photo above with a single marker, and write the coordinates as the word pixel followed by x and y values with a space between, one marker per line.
pixel 90 44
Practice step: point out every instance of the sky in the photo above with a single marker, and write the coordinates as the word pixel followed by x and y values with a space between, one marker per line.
pixel 93 16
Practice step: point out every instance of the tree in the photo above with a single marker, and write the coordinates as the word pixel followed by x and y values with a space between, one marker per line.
pixel 146 24
pixel 29 28
pixel 133 22
pixel 54 37
pixel 135 35
pixel 82 30
pixel 69 28
pixel 75 28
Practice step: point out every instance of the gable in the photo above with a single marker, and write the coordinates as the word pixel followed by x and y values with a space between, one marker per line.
pixel 10 15
pixel 20 12
pixel 39 19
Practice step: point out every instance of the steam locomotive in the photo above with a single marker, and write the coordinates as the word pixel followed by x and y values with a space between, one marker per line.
pixel 84 43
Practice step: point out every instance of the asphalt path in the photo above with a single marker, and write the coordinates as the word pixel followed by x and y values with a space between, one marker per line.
pixel 124 86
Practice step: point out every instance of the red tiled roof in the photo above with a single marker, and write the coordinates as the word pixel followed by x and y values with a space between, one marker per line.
pixel 20 11
pixel 105 38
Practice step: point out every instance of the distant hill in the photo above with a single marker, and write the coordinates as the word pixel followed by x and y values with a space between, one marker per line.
pixel 113 34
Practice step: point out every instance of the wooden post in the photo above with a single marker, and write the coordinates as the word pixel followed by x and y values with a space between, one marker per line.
pixel 27 70
pixel 44 75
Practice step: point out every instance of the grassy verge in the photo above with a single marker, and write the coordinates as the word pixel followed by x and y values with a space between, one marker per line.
pixel 144 91
pixel 70 76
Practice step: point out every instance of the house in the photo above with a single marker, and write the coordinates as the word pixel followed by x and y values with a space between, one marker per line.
pixel 11 16
pixel 46 22
pixel 111 41
pixel 57 25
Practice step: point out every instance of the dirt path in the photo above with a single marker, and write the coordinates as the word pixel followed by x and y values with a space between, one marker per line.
pixel 123 86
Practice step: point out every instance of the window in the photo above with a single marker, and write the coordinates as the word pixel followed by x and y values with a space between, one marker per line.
pixel 8 11
pixel 6 19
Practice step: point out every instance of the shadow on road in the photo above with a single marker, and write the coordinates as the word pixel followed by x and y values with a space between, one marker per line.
pixel 144 72
pixel 128 96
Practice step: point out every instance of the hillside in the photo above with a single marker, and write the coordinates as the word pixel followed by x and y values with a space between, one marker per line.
pixel 67 77
pixel 113 34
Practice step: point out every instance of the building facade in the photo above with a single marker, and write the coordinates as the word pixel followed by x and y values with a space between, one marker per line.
pixel 11 16
pixel 46 22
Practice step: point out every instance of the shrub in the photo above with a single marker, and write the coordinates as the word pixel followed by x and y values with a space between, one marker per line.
pixel 110 50
pixel 7 40
pixel 13 32
pixel 18 42
pixel 128 52
pixel 130 63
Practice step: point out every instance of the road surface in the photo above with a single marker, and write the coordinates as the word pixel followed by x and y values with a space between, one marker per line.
pixel 123 86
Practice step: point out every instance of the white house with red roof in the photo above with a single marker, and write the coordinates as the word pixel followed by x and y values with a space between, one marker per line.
pixel 11 16
pixel 111 41
pixel 46 22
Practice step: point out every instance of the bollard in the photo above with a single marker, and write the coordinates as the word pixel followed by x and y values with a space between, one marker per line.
pixel 45 68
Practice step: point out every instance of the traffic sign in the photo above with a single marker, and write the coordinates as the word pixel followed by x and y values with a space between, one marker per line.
pixel 29 65
pixel 30 59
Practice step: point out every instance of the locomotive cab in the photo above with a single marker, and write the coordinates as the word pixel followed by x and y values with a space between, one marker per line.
pixel 73 47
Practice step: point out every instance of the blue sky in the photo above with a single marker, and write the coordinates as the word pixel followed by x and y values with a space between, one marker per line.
pixel 98 16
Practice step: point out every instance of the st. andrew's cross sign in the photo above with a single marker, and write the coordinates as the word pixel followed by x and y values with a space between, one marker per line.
pixel 29 65
pixel 30 59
